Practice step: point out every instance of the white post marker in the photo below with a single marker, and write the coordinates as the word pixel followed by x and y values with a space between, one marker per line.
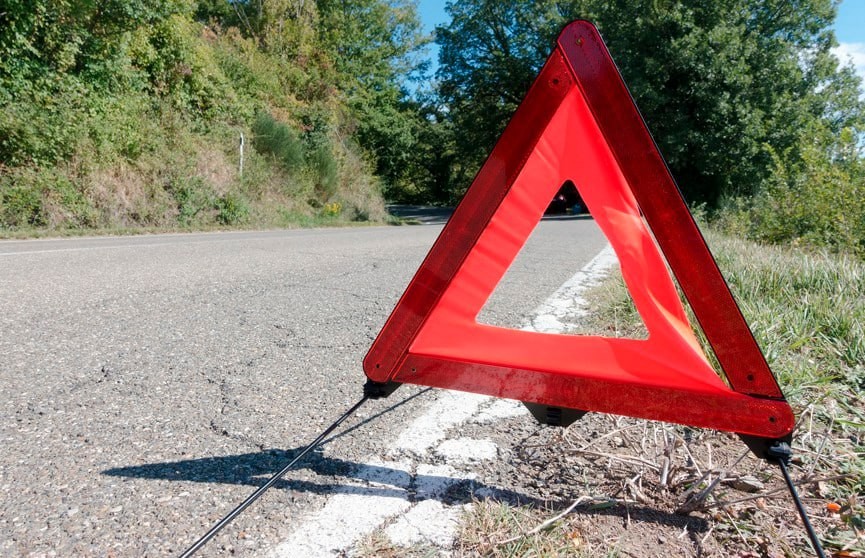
pixel 240 170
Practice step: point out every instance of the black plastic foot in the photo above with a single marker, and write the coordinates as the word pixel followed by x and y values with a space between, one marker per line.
pixel 767 448
pixel 554 416
pixel 780 451
pixel 379 390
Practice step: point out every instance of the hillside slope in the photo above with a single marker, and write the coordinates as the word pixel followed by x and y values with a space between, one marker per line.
pixel 130 114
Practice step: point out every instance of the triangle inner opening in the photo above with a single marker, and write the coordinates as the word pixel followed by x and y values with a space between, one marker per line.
pixel 565 279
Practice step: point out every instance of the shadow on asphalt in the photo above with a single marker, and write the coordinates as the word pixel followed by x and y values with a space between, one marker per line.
pixel 254 469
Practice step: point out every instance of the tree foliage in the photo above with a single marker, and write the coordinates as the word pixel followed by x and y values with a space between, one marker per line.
pixel 129 111
pixel 377 45
pixel 725 86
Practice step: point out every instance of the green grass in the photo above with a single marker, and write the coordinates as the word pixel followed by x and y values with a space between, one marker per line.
pixel 806 310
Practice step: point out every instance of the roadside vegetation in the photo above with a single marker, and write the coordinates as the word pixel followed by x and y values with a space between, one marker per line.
pixel 129 114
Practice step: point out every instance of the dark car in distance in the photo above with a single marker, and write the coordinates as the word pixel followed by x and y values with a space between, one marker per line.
pixel 567 201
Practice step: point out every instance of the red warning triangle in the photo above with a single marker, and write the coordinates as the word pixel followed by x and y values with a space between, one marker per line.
pixel 579 123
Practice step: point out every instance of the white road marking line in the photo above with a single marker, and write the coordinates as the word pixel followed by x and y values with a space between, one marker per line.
pixel 430 428
pixel 350 515
pixel 429 522
pixel 568 299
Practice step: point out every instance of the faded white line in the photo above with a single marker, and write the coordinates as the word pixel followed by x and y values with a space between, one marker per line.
pixel 568 300
pixel 385 494
pixel 349 516
pixel 451 409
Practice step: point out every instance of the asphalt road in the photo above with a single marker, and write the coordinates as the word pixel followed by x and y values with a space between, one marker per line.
pixel 148 384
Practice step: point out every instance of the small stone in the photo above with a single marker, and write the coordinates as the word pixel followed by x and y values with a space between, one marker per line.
pixel 746 483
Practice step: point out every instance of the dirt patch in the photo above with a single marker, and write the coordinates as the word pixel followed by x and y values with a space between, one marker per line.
pixel 212 165
pixel 637 488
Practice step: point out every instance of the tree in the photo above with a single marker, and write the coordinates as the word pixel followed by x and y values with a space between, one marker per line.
pixel 375 47
pixel 374 43
pixel 489 55
pixel 723 85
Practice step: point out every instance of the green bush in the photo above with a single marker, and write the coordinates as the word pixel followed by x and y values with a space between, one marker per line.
pixel 52 197
pixel 68 206
pixel 42 125
pixel 325 171
pixel 20 206
pixel 192 196
pixel 232 209
pixel 124 127
pixel 817 202
pixel 181 67
pixel 278 139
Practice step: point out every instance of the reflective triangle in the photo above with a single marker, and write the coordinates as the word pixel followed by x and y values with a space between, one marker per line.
pixel 579 123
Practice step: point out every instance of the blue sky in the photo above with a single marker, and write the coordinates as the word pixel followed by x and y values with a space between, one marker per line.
pixel 849 28
pixel 432 12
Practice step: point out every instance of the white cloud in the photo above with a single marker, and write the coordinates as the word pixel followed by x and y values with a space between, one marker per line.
pixel 854 53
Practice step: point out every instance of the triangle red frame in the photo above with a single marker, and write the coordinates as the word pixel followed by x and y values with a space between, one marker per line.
pixel 431 337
